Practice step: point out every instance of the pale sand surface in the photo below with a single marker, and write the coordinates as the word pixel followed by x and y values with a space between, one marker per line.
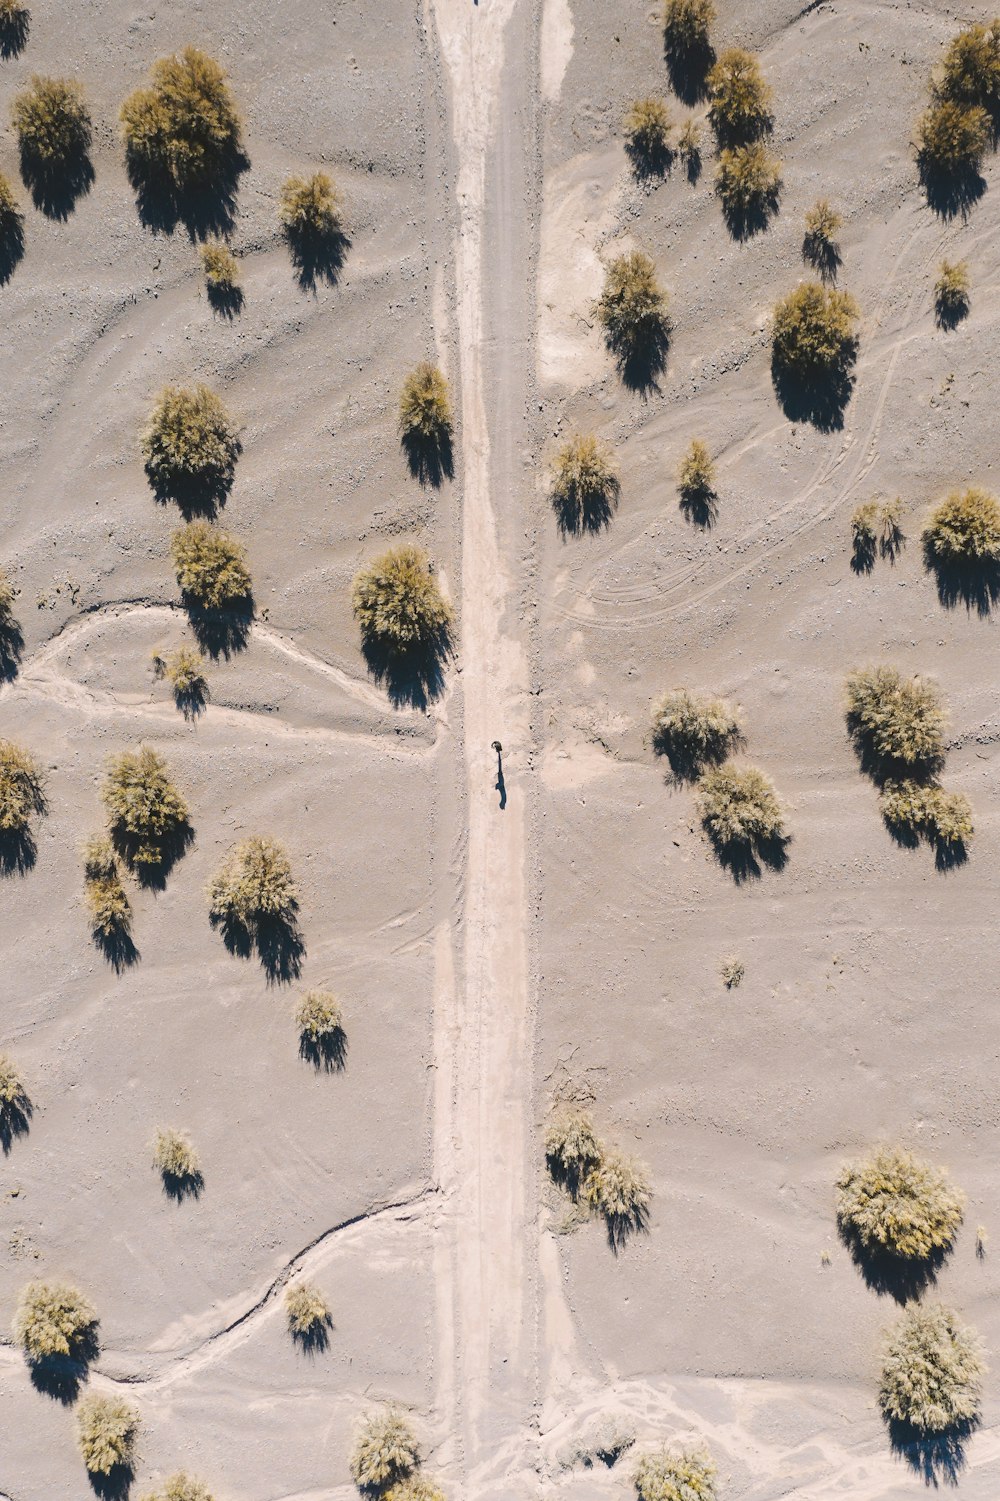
pixel 488 958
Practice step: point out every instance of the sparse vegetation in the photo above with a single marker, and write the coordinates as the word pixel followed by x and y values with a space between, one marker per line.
pixel 22 789
pixel 320 1019
pixel 147 817
pixel 964 529
pixel 696 483
pixel 895 1204
pixel 584 484
pixel 952 140
pixel 184 671
pixel 176 1160
pixel 211 568
pixel 732 971
pixel 876 525
pixel 385 1450
pixel 970 73
pixel 951 293
pixel 916 810
pixel 414 1488
pixel 310 207
pixel 932 1372
pixel 53 126
pixel 308 1313
pixel 181 1487
pixel 739 807
pixel 183 126
pixel 819 247
pixel 687 25
pixel 190 446
pixel 632 308
pixel 54 1320
pixel 694 732
pixel 253 897
pixel 617 1187
pixel 15 1103
pixel 107 899
pixel 398 603
pixel 739 99
pixel 425 407
pixel 647 134
pixel 748 182
pixel 675 1475
pixel 106 1431
pixel 219 265
pixel 814 332
pixel 689 147
pixel 572 1149
pixel 896 721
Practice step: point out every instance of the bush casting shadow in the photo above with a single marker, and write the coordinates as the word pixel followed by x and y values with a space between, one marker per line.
pixel 11 245
pixel 115 1485
pixel 18 851
pixel 14 27
pixel 649 160
pixel 938 1458
pixel 181 1186
pixel 901 1278
pixel 976 585
pixel 642 356
pixel 580 509
pixel 820 399
pixel 278 943
pixel 686 765
pixel 152 875
pixel 220 633
pixel 744 220
pixel 205 208
pixel 621 1227
pixel 316 1339
pixel 823 255
pixel 431 459
pixel 745 859
pixel 327 1053
pixel 15 1121
pixel 413 677
pixel 953 193
pixel 700 505
pixel 55 188
pixel 317 256
pixel 195 495
pixel 61 1376
pixel 227 301
pixel 118 948
pixel 11 648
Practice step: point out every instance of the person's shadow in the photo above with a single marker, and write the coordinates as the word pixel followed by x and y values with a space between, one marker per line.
pixel 501 785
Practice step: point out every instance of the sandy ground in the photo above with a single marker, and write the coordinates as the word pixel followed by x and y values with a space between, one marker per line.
pixel 488 957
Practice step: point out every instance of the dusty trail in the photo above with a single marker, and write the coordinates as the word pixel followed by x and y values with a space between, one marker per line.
pixel 484 1012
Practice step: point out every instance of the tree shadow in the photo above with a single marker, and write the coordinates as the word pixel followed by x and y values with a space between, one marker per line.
pixel 949 854
pixel 61 1376
pixel 688 69
pixel 11 648
pixel 430 458
pixel 621 1227
pixel 692 163
pixel 15 1120
pixel 227 301
pixel 751 217
pixel 951 310
pixel 317 256
pixel 195 495
pixel 221 633
pixel 181 1186
pixel 950 194
pixel 192 701
pixel 820 399
pixel 118 947
pixel 700 505
pixel 412 678
pixel 823 255
pixel 745 859
pixel 686 762
pixel 649 160
pixel 938 1458
pixel 585 508
pixel 974 584
pixel 11 243
pixel 641 355
pixel 18 851
pixel 14 27
pixel 863 555
pixel 55 187
pixel 327 1053
pixel 277 941
pixel 316 1339
pixel 152 874
pixel 898 1277
pixel 206 208
pixel 115 1485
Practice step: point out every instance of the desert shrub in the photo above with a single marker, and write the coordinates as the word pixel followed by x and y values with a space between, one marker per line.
pixel 190 447
pixel 951 293
pixel 739 99
pixel 647 134
pixel 219 265
pixel 932 1372
pixel 175 1159
pixel 8 594
pixel 183 126
pixel 617 1187
pixel 106 1430
pixel 181 1487
pixel 147 817
pixel 310 207
pixel 895 720
pixel 814 332
pixel 970 72
pixel 107 899
pixel 964 528
pixel 22 789
pixel 11 230
pixel 693 731
pixel 748 182
pixel 819 246
pixel 52 124
pixel 414 1488
pixel 184 670
pixel 254 887
pixel 320 1020
pixel 739 806
pixel 385 1450
pixel 15 1103
pixel 675 1475
pixel 424 407
pixel 211 568
pixel 952 139
pixel 687 24
pixel 915 810
pixel 14 21
pixel 696 483
pixel 584 484
pixel 876 524
pixel 732 970
pixel 689 148
pixel 398 603
pixel 572 1148
pixel 308 1313
pixel 54 1320
pixel 895 1204
pixel 632 308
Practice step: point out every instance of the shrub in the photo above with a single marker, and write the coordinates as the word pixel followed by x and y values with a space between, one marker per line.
pixel 819 247
pixel 219 265
pixel 184 671
pixel 385 1451
pixel 22 789
pixel 181 1487
pixel 583 484
pixel 618 1189
pixel 732 971
pixel 748 182
pixel 932 1371
pixel 951 293
pixel 964 528
pixel 8 594
pixel 398 603
pixel 310 208
pixel 647 134
pixel 694 732
pixel 254 885
pixel 53 126
pixel 675 1475
pixel 739 806
pixel 175 1159
pixel 54 1320
pixel 896 720
pixel 14 21
pixel 632 308
pixel 572 1148
pixel 190 447
pixel 424 407
pixel 320 1020
pixel 915 810
pixel 106 1429
pixel 696 482
pixel 876 524
pixel 689 147
pixel 308 1313
pixel 147 817
pixel 211 568
pixel 107 899
pixel 183 126
pixel 687 24
pixel 895 1204
pixel 15 1104
pixel 952 139
pixel 814 332
pixel 971 68
pixel 414 1488
pixel 739 99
